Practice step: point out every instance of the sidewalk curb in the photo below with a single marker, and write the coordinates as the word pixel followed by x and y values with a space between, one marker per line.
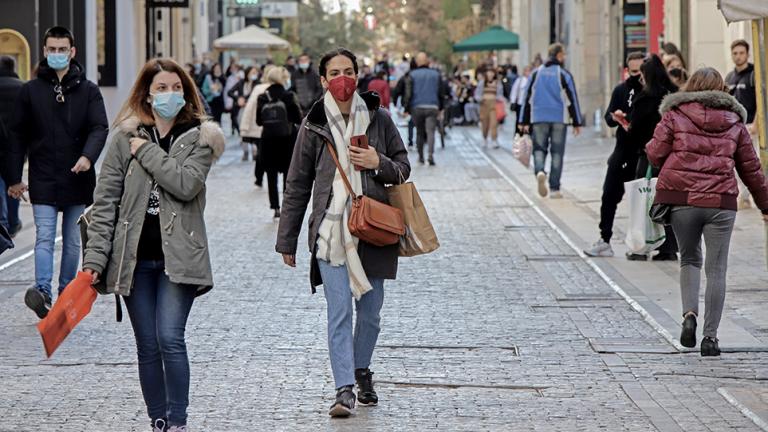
pixel 633 303
pixel 748 413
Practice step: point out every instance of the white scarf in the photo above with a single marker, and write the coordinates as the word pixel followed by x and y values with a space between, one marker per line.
pixel 336 244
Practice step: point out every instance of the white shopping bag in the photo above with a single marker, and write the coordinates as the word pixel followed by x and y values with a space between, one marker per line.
pixel 522 149
pixel 643 235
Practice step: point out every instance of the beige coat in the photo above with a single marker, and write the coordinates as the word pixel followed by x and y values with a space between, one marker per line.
pixel 248 126
pixel 122 197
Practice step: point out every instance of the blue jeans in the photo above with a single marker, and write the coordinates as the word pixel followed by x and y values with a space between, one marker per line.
pixel 549 138
pixel 45 224
pixel 347 351
pixel 159 309
pixel 4 206
pixel 13 211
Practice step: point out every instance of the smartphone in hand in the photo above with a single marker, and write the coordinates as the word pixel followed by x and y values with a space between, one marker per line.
pixel 360 141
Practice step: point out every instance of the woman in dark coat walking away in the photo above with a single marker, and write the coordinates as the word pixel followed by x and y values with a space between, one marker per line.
pixel 213 91
pixel 278 113
pixel 642 121
pixel 346 266
pixel 700 139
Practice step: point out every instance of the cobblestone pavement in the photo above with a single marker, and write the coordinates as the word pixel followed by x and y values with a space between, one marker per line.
pixel 504 328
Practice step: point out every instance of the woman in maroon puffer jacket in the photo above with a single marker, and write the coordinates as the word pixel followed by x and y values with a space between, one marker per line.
pixel 700 140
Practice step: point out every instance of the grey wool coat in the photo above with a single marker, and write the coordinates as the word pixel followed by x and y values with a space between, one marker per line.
pixel 311 175
pixel 122 197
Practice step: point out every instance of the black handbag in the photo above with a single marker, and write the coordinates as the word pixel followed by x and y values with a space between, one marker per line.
pixel 661 214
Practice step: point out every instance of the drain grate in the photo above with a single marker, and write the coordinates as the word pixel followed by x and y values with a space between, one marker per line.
pixel 525 227
pixel 514 350
pixel 547 258
pixel 515 387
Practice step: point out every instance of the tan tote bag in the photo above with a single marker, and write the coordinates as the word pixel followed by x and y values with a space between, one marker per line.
pixel 420 237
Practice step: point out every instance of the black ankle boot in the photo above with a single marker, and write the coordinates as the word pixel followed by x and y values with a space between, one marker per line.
pixel 688 335
pixel 366 395
pixel 709 347
pixel 344 406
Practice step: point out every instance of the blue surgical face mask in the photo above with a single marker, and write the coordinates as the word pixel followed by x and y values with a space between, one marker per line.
pixel 167 105
pixel 288 84
pixel 303 66
pixel 57 61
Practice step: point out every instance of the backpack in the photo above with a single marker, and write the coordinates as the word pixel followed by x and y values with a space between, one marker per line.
pixel 274 117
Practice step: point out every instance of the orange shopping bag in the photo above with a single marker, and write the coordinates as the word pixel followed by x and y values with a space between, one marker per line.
pixel 70 308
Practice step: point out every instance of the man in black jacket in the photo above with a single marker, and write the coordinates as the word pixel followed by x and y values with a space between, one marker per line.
pixel 741 84
pixel 60 124
pixel 306 83
pixel 623 160
pixel 10 84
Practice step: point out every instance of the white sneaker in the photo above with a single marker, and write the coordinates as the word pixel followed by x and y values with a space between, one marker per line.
pixel 600 249
pixel 485 142
pixel 541 178
pixel 178 429
pixel 555 195
pixel 496 144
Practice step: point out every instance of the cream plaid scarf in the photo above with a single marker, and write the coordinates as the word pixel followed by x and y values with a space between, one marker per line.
pixel 336 244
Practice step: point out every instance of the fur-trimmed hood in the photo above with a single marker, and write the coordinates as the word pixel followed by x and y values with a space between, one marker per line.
pixel 211 134
pixel 710 110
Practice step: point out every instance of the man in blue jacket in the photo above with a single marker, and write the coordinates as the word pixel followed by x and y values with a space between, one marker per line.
pixel 424 101
pixel 60 123
pixel 550 103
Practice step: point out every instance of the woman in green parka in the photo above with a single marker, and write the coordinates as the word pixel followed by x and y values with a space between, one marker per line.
pixel 147 236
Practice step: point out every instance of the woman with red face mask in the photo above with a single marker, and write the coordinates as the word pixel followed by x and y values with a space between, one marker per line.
pixel 348 268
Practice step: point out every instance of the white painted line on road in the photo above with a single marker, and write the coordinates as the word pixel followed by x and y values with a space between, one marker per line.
pixel 22 257
pixel 748 413
pixel 635 305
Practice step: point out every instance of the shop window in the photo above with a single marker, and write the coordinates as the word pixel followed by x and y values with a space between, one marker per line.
pixel 106 42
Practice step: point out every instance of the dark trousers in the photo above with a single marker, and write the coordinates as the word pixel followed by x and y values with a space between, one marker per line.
pixel 670 245
pixel 621 168
pixel 411 127
pixel 258 169
pixel 158 309
pixel 274 195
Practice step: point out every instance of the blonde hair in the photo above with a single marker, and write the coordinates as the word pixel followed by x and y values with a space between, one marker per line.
pixel 277 75
pixel 265 72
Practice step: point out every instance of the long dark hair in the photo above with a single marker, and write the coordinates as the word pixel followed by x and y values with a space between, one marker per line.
pixel 657 81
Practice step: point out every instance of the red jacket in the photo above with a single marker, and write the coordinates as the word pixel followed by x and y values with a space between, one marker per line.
pixel 700 140
pixel 382 88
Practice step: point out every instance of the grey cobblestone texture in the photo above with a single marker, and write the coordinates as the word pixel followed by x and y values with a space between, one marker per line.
pixel 486 334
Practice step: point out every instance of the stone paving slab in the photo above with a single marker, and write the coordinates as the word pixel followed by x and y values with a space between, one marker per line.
pixel 654 285
pixel 475 337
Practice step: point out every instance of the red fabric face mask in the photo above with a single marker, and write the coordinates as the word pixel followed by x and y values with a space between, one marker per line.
pixel 342 87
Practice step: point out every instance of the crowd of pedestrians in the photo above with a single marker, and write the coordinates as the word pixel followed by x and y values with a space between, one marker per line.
pixel 690 132
pixel 146 236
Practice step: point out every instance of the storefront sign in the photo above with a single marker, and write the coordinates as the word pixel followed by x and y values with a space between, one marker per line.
pixel 168 3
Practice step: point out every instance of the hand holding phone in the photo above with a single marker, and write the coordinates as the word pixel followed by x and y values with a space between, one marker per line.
pixel 361 142
pixel 621 118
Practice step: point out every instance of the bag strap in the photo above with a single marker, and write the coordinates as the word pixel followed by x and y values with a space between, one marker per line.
pixel 347 185
pixel 649 172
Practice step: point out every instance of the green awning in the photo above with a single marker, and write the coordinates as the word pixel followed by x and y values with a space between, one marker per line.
pixel 495 38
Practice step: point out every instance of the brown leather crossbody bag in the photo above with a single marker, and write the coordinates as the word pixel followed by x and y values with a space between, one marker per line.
pixel 371 221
